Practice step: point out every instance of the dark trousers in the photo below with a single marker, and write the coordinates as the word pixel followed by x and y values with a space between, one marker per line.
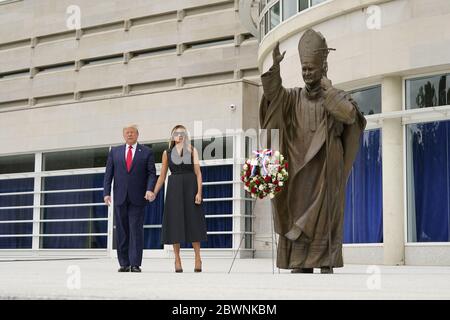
pixel 130 233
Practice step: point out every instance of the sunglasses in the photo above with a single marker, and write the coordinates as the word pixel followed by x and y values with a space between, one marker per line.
pixel 179 134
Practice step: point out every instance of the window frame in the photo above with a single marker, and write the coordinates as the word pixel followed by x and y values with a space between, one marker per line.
pixel 417 116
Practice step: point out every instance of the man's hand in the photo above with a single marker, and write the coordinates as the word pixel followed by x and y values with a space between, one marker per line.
pixel 276 55
pixel 107 200
pixel 150 196
pixel 325 83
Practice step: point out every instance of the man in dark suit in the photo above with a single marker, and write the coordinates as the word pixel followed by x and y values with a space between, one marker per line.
pixel 133 168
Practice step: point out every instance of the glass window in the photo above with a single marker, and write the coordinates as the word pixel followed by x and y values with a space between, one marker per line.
pixel 363 219
pixel 266 23
pixel 152 238
pixel 428 175
pixel 76 159
pixel 17 164
pixel 274 16
pixel 15 243
pixel 64 200
pixel 9 212
pixel 74 242
pixel 368 100
pixel 289 8
pixel 215 148
pixel 303 4
pixel 428 92
pixel 158 149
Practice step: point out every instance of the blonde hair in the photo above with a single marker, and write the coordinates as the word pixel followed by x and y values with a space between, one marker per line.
pixel 134 126
pixel 186 140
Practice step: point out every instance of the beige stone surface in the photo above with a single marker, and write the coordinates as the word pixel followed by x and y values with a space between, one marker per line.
pixel 249 279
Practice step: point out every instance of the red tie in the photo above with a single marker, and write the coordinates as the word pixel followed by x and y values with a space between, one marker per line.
pixel 129 158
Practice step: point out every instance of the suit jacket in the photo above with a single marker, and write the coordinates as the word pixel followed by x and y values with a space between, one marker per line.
pixel 141 178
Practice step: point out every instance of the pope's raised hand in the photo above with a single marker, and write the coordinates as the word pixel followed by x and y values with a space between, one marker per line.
pixel 276 55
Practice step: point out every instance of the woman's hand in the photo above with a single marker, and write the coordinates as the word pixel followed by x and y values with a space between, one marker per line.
pixel 150 196
pixel 198 198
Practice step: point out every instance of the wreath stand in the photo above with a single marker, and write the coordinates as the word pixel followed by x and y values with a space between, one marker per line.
pixel 274 242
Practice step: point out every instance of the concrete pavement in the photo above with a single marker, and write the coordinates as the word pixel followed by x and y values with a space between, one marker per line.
pixel 250 279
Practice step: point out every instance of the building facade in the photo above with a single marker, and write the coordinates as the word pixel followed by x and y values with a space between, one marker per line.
pixel 74 73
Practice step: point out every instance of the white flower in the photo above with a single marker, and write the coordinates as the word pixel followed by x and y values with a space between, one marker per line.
pixel 245 167
pixel 280 183
pixel 253 195
pixel 280 176
pixel 255 178
pixel 271 195
pixel 277 153
pixel 261 187
pixel 246 188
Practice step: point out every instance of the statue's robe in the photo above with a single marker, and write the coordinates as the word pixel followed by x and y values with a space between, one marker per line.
pixel 302 214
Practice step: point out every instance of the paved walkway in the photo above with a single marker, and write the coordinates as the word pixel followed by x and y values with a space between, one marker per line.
pixel 250 279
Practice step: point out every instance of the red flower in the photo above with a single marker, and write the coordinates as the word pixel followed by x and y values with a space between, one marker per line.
pixel 275 182
pixel 268 179
pixel 261 196
pixel 277 189
pixel 243 178
pixel 247 183
pixel 248 173
pixel 258 182
pixel 286 165
pixel 254 190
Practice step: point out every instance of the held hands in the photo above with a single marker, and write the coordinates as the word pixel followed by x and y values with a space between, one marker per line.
pixel 150 196
pixel 276 55
pixel 198 198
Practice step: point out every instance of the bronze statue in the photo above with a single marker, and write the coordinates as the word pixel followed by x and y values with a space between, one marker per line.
pixel 319 128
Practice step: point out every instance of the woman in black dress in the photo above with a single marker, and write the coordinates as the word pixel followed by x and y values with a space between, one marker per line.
pixel 183 219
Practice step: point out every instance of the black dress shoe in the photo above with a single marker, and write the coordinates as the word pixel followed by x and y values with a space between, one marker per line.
pixel 326 270
pixel 135 269
pixel 302 270
pixel 124 269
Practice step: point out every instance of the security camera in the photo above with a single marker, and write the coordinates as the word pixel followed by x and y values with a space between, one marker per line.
pixel 232 107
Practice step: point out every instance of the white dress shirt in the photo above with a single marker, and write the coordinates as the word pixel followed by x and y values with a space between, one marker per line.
pixel 133 151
